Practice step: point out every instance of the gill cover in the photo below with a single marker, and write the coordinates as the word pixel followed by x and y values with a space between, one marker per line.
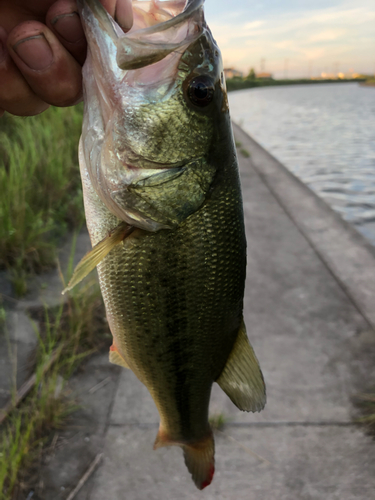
pixel 133 83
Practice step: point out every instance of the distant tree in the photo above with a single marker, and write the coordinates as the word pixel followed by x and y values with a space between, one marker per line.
pixel 251 76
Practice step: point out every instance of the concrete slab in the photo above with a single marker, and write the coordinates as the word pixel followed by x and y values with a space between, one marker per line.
pixel 133 403
pixel 83 437
pixel 45 289
pixel 306 463
pixel 305 345
pixel 312 333
pixel 18 339
pixel 316 350
pixel 345 252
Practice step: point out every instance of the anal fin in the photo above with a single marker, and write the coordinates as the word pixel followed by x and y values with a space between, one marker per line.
pixel 242 379
pixel 116 358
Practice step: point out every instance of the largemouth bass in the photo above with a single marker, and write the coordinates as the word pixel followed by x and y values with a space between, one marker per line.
pixel 164 212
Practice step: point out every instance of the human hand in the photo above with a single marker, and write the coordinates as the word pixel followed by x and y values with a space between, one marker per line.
pixel 42 48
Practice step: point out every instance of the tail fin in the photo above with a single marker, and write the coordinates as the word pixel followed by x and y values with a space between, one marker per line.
pixel 199 457
pixel 200 461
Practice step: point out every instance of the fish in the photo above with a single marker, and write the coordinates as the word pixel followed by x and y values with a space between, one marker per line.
pixel 164 213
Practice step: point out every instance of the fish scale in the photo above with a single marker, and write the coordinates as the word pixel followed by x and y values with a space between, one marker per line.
pixel 164 212
pixel 173 282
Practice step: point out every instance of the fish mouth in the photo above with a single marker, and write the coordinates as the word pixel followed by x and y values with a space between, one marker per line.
pixel 159 29
pixel 164 15
pixel 163 28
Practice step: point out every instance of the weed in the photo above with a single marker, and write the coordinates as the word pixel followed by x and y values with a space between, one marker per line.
pixel 217 421
pixel 18 278
pixel 366 405
pixel 238 144
pixel 40 189
pixel 2 314
pixel 67 334
pixel 26 431
pixel 245 153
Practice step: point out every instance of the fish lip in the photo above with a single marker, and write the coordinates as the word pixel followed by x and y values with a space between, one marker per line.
pixel 116 31
pixel 138 48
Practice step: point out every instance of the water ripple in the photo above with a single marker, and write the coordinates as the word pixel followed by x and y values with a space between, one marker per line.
pixel 325 134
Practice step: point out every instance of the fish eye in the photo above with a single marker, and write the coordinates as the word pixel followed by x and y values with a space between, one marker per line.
pixel 201 91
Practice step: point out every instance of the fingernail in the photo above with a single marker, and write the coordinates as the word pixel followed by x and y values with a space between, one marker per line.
pixel 34 51
pixel 69 27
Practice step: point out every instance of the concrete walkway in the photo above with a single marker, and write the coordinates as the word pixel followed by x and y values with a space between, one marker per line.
pixel 310 315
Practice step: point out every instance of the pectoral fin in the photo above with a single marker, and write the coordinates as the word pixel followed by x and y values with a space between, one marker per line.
pixel 97 254
pixel 242 379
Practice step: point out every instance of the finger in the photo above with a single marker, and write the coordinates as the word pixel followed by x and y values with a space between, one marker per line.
pixel 63 20
pixel 122 11
pixel 16 96
pixel 51 72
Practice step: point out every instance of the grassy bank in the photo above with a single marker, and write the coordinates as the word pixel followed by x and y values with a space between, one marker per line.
pixel 40 200
pixel 244 83
pixel 40 189
pixel 370 82
pixel 67 335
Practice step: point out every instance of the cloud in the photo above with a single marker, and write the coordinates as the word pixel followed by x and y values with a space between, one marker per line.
pixel 321 35
pixel 253 25
pixel 328 35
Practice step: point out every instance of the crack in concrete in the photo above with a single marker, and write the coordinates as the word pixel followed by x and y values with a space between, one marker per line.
pixel 250 424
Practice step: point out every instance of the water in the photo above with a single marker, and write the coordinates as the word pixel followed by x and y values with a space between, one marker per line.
pixel 325 134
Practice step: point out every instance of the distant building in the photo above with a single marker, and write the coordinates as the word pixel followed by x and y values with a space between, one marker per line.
pixel 231 73
pixel 264 76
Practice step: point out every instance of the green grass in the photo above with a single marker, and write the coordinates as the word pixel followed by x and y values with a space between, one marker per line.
pixel 24 435
pixel 40 189
pixel 67 334
pixel 245 153
pixel 366 405
pixel 217 421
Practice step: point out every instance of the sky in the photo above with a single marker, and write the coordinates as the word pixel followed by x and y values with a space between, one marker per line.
pixel 295 38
